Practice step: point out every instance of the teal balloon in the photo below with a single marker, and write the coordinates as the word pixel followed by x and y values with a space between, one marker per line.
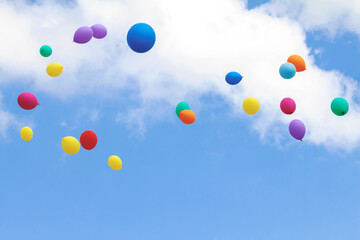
pixel 45 51
pixel 287 70
pixel 339 106
pixel 182 106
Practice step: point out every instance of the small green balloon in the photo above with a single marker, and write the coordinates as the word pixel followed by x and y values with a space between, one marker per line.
pixel 339 106
pixel 182 106
pixel 45 51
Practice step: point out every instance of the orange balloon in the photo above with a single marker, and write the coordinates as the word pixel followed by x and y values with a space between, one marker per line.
pixel 187 116
pixel 298 62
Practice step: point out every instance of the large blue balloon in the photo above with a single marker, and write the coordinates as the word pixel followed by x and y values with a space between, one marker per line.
pixel 233 78
pixel 141 37
pixel 287 70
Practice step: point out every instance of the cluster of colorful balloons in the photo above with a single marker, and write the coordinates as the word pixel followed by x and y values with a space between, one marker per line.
pixel 250 105
pixel 84 34
pixel 88 141
pixel 71 145
pixel 184 113
pixel 294 64
pixel 296 127
pixel 288 106
pixel 53 69
pixel 27 101
pixel 339 106
pixel 141 38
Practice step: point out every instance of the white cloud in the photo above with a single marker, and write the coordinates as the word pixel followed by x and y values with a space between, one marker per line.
pixel 94 115
pixel 8 120
pixel 198 42
pixel 334 16
pixel 134 119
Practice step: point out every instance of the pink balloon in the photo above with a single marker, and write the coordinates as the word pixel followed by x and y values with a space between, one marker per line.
pixel 27 101
pixel 288 106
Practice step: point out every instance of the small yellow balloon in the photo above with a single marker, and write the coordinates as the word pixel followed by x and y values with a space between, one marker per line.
pixel 115 162
pixel 54 69
pixel 251 105
pixel 70 145
pixel 26 134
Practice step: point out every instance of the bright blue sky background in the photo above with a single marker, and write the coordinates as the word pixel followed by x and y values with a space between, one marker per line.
pixel 213 180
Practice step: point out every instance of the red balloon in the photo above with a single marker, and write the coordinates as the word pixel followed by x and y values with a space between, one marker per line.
pixel 88 139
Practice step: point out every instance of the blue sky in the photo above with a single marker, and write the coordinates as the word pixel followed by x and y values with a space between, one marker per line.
pixel 341 52
pixel 213 180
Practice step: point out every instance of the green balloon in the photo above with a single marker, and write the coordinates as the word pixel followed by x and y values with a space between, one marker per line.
pixel 182 106
pixel 45 51
pixel 339 106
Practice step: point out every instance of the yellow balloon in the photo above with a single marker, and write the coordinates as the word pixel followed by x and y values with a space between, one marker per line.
pixel 115 162
pixel 70 145
pixel 26 134
pixel 54 69
pixel 251 105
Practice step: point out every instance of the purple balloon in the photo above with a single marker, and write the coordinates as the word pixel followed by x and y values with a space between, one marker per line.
pixel 99 31
pixel 83 35
pixel 297 129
